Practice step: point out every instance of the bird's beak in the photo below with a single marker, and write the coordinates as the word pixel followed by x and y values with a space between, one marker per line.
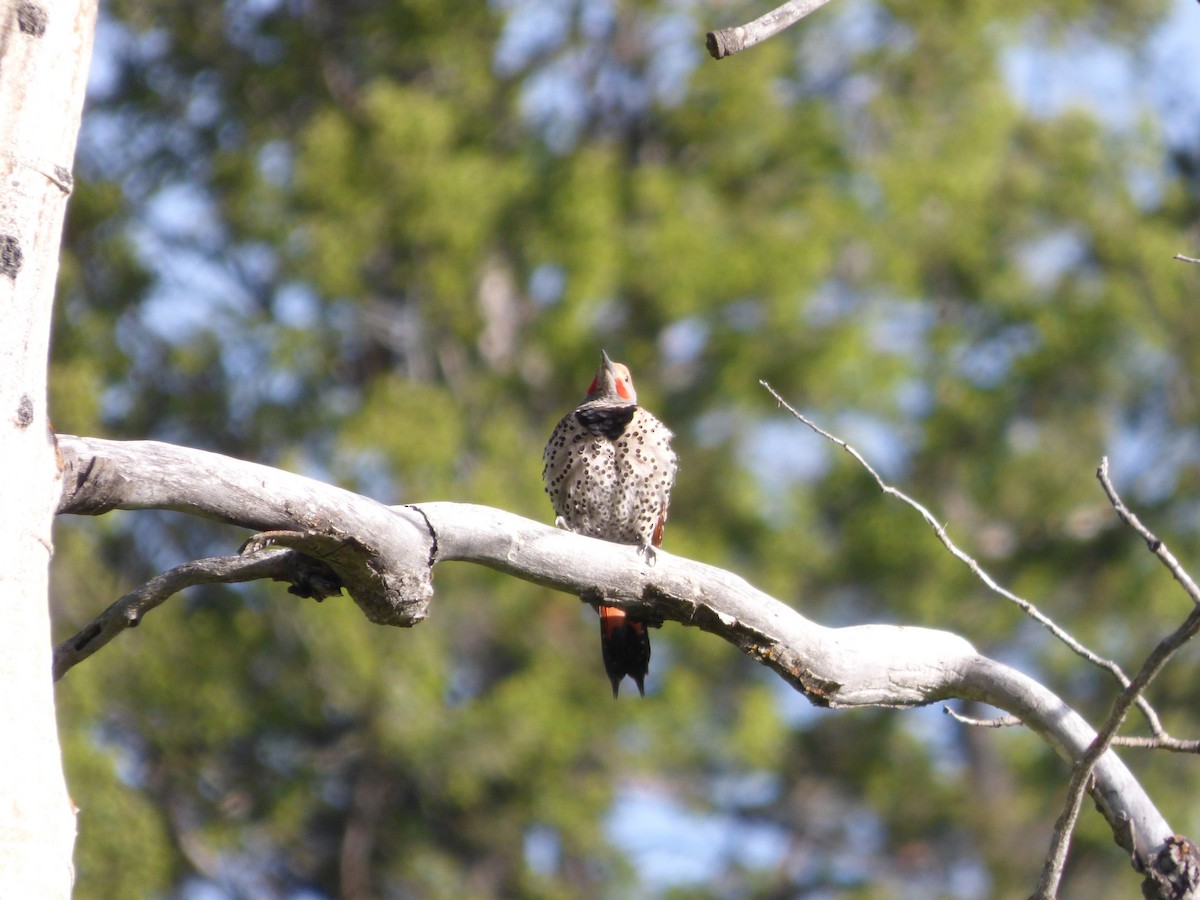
pixel 608 363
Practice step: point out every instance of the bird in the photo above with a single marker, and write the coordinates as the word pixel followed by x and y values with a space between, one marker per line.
pixel 609 469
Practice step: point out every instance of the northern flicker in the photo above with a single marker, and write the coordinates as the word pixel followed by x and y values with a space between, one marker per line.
pixel 609 469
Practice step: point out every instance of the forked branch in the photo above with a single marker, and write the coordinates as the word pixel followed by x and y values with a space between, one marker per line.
pixel 308 577
pixel 1056 857
pixel 1024 605
pixel 1131 694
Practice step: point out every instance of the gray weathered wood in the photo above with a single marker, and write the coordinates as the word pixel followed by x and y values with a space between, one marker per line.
pixel 864 665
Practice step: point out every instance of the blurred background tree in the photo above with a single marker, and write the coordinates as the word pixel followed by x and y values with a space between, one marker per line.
pixel 383 243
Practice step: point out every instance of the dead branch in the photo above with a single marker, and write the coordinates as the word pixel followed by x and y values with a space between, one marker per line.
pixel 1166 742
pixel 997 722
pixel 865 665
pixel 1166 648
pixel 1157 547
pixel 381 561
pixel 728 41
pixel 308 577
pixel 1110 666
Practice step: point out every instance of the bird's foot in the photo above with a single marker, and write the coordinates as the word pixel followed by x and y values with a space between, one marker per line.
pixel 648 553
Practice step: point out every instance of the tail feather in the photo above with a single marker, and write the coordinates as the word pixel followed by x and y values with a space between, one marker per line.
pixel 625 646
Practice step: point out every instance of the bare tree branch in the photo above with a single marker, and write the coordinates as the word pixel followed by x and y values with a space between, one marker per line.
pixel 1157 547
pixel 1025 606
pixel 998 722
pixel 1057 856
pixel 1166 742
pixel 865 665
pixel 1187 259
pixel 728 41
pixel 309 578
pixel 383 562
pixel 1132 690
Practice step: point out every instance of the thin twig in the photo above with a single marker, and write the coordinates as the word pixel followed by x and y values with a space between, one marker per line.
pixel 998 722
pixel 1025 606
pixel 728 41
pixel 1182 258
pixel 1056 858
pixel 1166 742
pixel 1157 547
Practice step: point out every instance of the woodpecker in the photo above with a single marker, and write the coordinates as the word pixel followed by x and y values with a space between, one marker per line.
pixel 609 469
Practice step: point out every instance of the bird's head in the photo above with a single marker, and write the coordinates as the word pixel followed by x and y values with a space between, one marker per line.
pixel 612 383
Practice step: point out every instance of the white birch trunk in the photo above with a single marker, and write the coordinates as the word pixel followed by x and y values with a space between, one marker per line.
pixel 45 50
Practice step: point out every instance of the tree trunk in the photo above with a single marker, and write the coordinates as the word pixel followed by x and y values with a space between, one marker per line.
pixel 45 49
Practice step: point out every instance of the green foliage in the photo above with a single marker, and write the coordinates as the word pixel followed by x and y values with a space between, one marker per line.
pixel 115 820
pixel 394 270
